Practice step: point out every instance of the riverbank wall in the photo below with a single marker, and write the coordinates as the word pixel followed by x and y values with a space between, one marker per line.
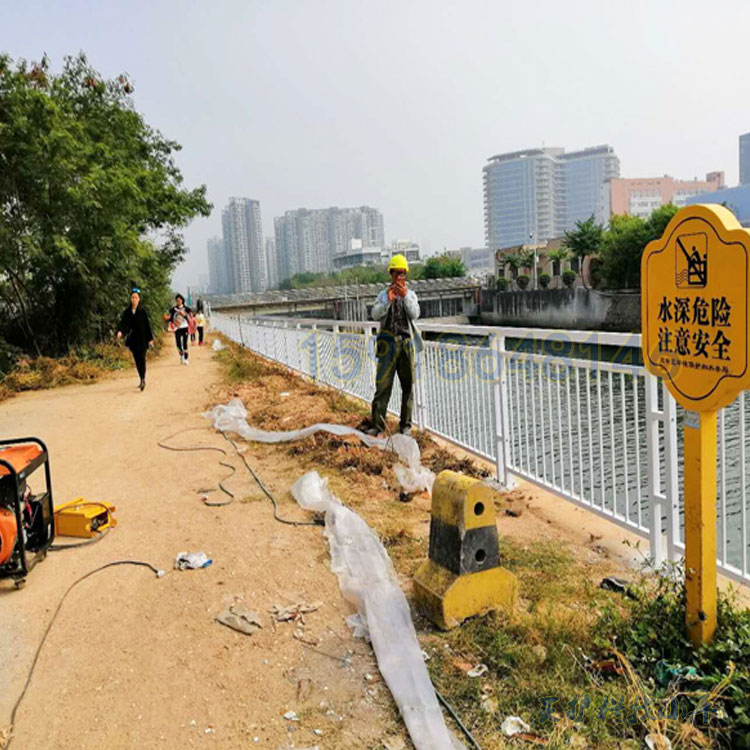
pixel 578 309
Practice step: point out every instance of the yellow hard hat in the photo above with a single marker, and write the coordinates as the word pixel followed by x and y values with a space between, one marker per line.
pixel 398 263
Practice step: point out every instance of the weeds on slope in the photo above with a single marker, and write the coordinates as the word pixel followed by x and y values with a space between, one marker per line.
pixel 84 365
pixel 583 666
pixel 713 681
pixel 589 668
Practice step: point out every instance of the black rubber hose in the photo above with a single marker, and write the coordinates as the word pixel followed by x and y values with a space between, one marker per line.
pixel 206 501
pixel 267 493
pixel 458 721
pixel 159 574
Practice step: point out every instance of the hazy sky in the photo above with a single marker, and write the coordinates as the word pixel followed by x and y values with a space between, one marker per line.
pixel 399 104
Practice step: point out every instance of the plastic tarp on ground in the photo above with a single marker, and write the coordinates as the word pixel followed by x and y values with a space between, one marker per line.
pixel 365 572
pixel 368 580
pixel 413 477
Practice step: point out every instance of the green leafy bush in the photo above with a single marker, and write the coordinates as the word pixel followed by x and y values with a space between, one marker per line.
pixel 501 284
pixel 624 242
pixel 595 272
pixel 649 630
pixel 522 280
pixel 569 278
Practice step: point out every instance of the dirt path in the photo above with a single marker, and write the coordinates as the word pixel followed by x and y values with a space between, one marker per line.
pixel 134 661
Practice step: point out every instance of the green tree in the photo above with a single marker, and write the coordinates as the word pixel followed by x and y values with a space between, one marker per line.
pixel 622 247
pixel 528 260
pixel 559 256
pixel 514 261
pixel 444 266
pixel 624 242
pixel 91 202
pixel 585 240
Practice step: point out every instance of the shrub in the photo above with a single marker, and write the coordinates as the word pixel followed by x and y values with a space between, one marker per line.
pixel 501 284
pixel 523 281
pixel 649 630
pixel 544 279
pixel 595 272
pixel 569 278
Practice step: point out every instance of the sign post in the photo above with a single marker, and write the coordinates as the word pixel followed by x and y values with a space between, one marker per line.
pixel 695 287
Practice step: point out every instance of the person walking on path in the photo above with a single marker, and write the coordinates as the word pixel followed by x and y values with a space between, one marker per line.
pixel 178 317
pixel 396 345
pixel 191 328
pixel 136 328
pixel 200 323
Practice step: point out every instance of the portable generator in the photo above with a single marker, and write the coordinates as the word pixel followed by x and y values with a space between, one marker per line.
pixel 27 519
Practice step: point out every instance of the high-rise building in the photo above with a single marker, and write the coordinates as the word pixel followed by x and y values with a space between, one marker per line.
pixel 745 159
pixel 302 242
pixel 243 243
pixel 312 239
pixel 272 263
pixel 586 175
pixel 285 239
pixel 537 194
pixel 218 267
pixel 639 196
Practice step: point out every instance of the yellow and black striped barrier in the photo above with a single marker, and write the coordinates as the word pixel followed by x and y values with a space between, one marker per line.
pixel 462 576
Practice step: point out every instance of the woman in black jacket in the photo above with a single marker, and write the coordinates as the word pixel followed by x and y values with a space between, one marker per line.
pixel 134 325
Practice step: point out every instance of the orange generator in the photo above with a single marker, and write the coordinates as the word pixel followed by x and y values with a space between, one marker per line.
pixel 27 519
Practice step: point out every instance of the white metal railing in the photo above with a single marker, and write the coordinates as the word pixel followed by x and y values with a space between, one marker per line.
pixel 571 411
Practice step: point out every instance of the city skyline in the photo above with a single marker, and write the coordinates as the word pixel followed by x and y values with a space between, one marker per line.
pixel 260 99
pixel 308 240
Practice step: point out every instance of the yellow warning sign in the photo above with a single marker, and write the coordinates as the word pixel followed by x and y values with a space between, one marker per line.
pixel 695 283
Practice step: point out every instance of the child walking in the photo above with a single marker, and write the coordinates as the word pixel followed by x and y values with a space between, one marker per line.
pixel 178 317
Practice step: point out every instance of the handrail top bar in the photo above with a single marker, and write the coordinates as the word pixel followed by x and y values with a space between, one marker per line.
pixel 548 334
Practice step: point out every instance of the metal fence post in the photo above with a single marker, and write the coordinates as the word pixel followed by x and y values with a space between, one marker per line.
pixel 314 357
pixel 285 341
pixel 370 334
pixel 655 497
pixel 500 404
pixel 420 390
pixel 671 489
pixel 239 328
pixel 297 337
pixel 336 354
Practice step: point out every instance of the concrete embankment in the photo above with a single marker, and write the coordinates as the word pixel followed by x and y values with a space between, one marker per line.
pixel 577 309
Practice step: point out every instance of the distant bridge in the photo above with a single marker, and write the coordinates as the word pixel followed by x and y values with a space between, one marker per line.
pixel 438 298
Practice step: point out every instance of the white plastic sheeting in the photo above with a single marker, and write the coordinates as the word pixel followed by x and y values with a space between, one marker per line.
pixel 413 477
pixel 369 582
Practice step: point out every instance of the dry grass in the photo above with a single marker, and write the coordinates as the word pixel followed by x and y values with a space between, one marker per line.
pixel 543 648
pixel 80 366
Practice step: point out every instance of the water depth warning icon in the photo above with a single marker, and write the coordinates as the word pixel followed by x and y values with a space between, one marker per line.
pixel 691 264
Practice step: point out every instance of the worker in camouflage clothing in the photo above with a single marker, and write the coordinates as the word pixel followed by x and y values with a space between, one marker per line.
pixel 398 341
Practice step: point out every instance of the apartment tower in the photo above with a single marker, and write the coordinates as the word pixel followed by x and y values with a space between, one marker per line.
pixel 537 194
pixel 243 243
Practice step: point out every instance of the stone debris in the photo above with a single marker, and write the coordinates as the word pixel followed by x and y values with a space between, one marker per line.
pixel 241 619
pixel 294 613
